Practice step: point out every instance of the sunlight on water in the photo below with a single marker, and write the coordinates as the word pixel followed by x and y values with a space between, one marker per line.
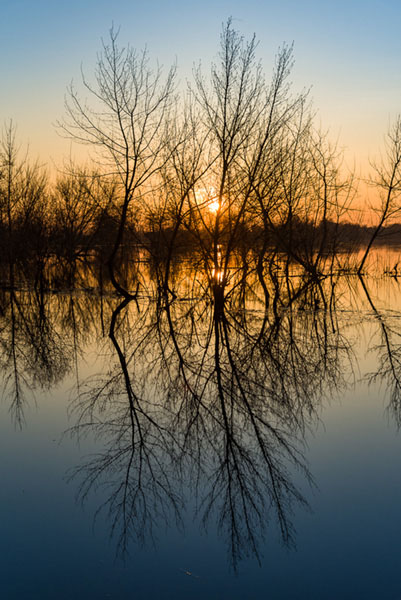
pixel 241 436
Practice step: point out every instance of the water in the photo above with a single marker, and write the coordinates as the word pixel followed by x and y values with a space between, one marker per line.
pixel 214 450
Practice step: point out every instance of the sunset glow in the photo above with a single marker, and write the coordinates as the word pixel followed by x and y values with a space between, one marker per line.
pixel 200 314
pixel 214 206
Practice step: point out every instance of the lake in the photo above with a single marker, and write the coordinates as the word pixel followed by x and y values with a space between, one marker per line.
pixel 228 440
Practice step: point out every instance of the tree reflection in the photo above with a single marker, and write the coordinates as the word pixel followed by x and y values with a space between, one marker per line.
pixel 217 368
pixel 389 354
pixel 214 394
pixel 41 337
pixel 32 353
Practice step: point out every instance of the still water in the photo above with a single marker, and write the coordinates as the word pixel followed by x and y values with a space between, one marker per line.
pixel 239 443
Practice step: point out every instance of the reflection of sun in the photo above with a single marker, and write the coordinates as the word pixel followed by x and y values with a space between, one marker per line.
pixel 214 206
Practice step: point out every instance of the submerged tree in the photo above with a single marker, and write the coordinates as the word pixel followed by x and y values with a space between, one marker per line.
pixel 247 122
pixel 388 181
pixel 268 172
pixel 23 202
pixel 126 123
pixel 81 202
pixel 239 157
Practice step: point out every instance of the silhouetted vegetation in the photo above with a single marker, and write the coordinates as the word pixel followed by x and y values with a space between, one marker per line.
pixel 237 166
pixel 213 392
pixel 206 258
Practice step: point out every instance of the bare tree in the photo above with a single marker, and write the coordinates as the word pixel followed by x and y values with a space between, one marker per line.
pixel 80 200
pixel 23 199
pixel 261 134
pixel 388 181
pixel 231 104
pixel 126 124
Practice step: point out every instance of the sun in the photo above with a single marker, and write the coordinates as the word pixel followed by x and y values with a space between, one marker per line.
pixel 214 206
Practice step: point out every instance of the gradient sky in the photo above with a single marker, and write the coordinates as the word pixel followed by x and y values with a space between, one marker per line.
pixel 348 52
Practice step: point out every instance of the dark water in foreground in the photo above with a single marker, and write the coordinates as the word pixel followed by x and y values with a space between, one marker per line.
pixel 235 450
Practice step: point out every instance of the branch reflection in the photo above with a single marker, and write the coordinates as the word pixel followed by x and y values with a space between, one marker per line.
pixel 388 351
pixel 213 394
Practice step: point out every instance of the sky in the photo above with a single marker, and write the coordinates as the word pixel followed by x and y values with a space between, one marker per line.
pixel 348 52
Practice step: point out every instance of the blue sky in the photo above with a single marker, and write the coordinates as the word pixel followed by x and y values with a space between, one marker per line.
pixel 348 52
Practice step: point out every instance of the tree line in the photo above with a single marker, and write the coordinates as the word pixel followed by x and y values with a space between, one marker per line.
pixel 234 162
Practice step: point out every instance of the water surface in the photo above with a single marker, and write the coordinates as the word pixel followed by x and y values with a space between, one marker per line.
pixel 220 443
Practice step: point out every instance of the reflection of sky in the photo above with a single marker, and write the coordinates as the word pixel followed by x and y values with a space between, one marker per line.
pixel 347 548
pixel 347 51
